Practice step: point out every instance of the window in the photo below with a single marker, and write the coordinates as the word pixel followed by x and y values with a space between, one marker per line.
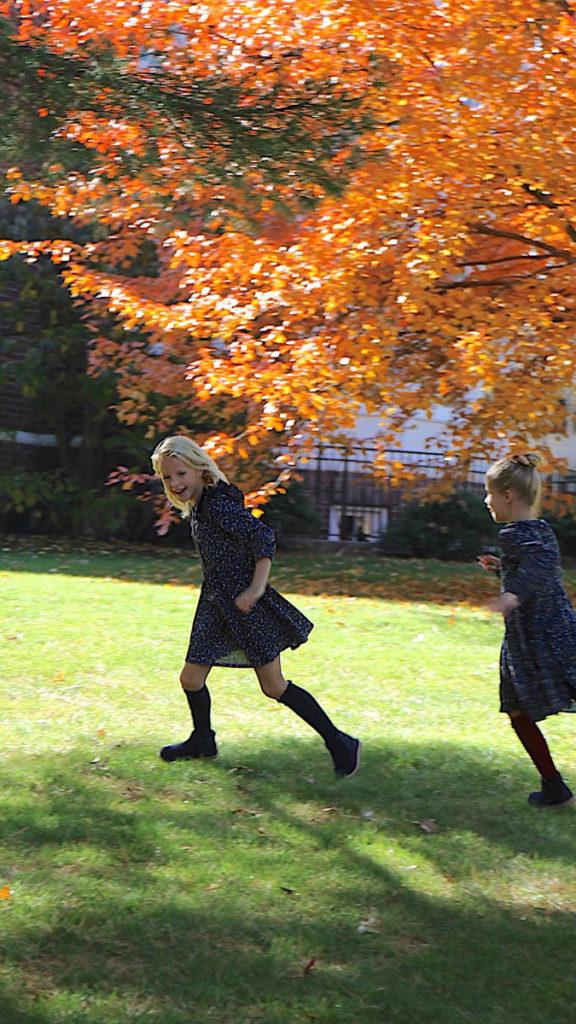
pixel 356 523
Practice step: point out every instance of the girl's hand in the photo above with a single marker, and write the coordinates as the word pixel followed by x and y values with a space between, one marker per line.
pixel 489 562
pixel 505 604
pixel 246 601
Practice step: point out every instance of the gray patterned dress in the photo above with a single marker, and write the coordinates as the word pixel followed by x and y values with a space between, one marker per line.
pixel 538 657
pixel 230 541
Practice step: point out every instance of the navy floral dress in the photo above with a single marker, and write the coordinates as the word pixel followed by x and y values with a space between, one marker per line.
pixel 230 541
pixel 538 657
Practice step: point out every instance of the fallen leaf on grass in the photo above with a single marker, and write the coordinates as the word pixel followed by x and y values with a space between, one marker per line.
pixel 5 893
pixel 324 812
pixel 429 826
pixel 368 924
pixel 132 792
pixel 100 732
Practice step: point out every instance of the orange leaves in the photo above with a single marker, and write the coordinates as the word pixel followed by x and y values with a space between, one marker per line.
pixel 441 273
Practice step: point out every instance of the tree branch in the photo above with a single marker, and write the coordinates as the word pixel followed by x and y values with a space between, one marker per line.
pixel 498 282
pixel 501 259
pixel 483 229
pixel 545 199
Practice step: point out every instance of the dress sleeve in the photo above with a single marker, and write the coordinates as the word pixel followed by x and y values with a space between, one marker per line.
pixel 534 571
pixel 238 522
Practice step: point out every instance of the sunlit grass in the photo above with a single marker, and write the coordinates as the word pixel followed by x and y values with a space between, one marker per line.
pixel 255 888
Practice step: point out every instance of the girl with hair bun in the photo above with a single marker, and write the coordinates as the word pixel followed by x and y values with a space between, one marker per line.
pixel 538 656
pixel 240 620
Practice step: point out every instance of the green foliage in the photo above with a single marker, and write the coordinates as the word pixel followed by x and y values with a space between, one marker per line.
pixel 213 113
pixel 293 514
pixel 36 498
pixel 457 528
pixel 44 354
pixel 52 502
pixel 564 527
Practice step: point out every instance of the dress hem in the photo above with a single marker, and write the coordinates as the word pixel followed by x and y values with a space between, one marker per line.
pixel 253 664
pixel 571 710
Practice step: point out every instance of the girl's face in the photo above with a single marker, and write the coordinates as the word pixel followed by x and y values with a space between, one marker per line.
pixel 499 504
pixel 180 480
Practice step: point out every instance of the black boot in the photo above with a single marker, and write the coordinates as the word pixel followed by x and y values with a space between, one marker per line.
pixel 553 793
pixel 201 742
pixel 345 754
pixel 344 750
pixel 194 746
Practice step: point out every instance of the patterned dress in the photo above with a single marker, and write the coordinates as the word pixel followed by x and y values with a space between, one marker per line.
pixel 538 657
pixel 230 541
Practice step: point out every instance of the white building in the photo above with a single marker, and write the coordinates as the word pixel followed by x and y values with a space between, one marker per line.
pixel 356 506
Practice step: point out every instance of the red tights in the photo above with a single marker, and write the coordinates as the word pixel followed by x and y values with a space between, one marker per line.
pixel 534 744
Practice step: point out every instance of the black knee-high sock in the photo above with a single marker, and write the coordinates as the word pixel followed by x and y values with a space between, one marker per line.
pixel 308 709
pixel 199 703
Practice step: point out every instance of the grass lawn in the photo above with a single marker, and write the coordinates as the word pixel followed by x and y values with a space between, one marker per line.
pixel 254 889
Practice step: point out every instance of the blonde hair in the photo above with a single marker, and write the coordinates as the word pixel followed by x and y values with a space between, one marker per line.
pixel 185 449
pixel 517 473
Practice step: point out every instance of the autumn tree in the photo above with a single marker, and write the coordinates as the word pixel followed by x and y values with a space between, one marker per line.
pixel 353 205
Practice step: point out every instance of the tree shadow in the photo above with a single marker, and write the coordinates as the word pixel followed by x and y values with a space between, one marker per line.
pixel 359 575
pixel 200 892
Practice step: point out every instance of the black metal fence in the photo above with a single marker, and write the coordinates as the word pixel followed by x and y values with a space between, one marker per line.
pixel 355 504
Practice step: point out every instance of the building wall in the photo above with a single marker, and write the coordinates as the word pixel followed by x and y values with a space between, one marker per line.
pixel 354 505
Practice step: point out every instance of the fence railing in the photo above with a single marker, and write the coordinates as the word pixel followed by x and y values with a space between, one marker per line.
pixel 354 503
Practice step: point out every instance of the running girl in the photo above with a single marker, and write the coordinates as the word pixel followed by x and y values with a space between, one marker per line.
pixel 240 620
pixel 538 657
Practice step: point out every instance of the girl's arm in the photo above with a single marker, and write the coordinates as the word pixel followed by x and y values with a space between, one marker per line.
pixel 537 562
pixel 246 601
pixel 505 603
pixel 239 523
pixel 491 563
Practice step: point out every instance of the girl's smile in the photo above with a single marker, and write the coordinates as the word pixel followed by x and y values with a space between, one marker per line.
pixel 180 480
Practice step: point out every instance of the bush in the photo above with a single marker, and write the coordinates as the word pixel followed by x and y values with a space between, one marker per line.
pixel 292 514
pixel 565 529
pixel 52 502
pixel 36 502
pixel 453 529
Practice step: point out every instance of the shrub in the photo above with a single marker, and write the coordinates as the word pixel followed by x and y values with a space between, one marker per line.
pixel 564 527
pixel 456 528
pixel 52 502
pixel 293 514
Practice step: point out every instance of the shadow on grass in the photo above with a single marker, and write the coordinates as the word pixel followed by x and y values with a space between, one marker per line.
pixel 197 893
pixel 330 574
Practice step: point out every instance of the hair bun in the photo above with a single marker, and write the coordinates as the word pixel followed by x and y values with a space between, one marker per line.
pixel 531 459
